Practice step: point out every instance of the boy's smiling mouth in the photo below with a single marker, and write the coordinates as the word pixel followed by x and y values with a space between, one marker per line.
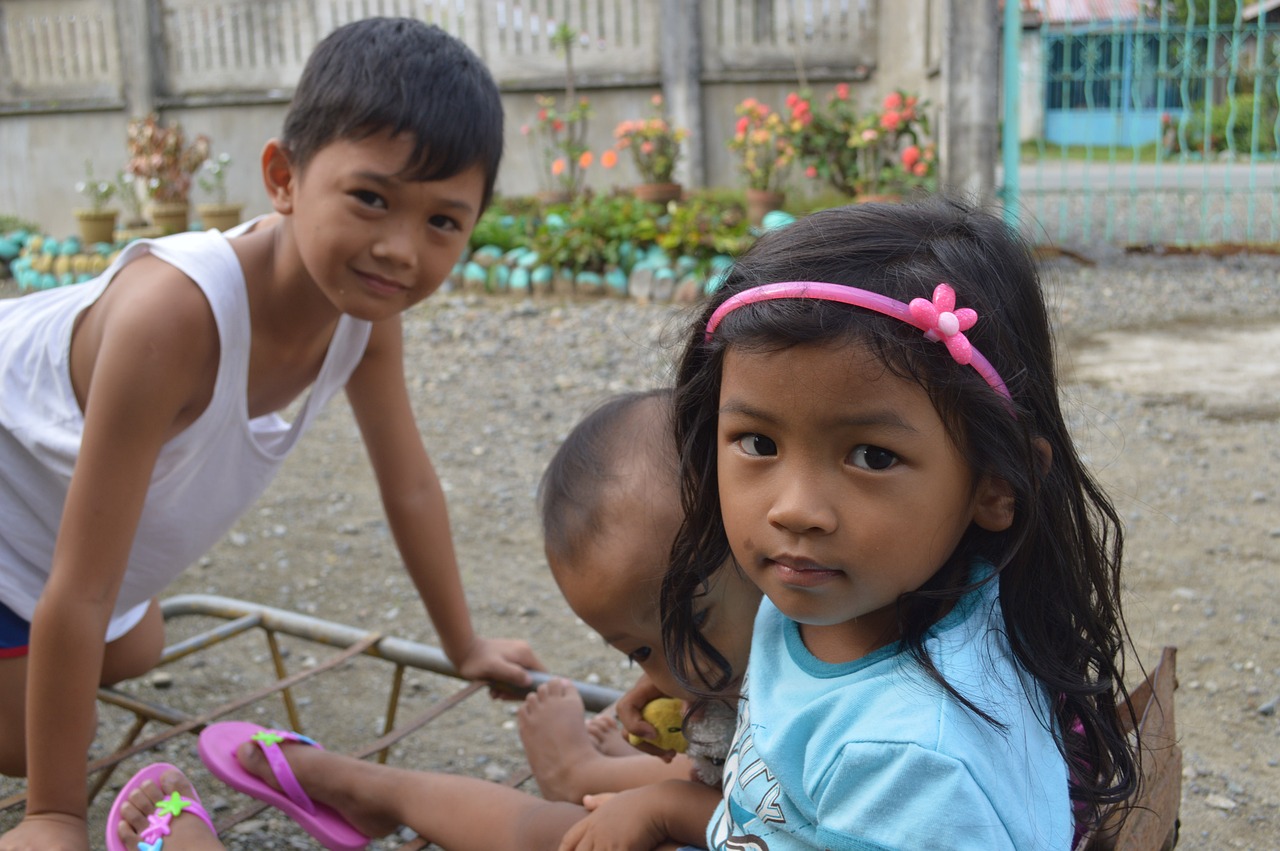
pixel 381 285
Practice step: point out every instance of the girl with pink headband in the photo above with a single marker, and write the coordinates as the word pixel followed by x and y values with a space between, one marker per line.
pixel 868 418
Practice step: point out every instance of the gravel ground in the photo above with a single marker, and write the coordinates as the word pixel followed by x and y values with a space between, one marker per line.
pixel 498 382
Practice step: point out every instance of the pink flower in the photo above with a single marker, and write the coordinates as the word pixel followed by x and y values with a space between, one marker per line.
pixel 811 172
pixel 893 101
pixel 842 91
pixel 524 129
pixel 910 156
pixel 558 167
pixel 743 124
pixel 792 100
pixel 921 169
pixel 890 120
pixel 646 147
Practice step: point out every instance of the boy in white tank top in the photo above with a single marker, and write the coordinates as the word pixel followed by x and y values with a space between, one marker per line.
pixel 139 411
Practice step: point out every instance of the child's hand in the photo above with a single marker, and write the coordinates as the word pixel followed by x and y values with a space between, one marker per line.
pixel 503 660
pixel 616 822
pixel 630 708
pixel 47 832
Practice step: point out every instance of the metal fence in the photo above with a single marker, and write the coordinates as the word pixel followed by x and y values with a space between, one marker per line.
pixel 1158 127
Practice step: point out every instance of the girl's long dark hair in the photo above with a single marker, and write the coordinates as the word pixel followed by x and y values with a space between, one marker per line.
pixel 1058 565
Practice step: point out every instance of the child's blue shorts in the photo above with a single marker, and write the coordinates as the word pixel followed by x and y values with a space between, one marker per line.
pixel 15 634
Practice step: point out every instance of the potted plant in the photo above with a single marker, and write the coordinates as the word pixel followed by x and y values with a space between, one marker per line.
pixel 559 131
pixel 761 140
pixel 863 155
pixel 162 158
pixel 97 221
pixel 655 150
pixel 213 180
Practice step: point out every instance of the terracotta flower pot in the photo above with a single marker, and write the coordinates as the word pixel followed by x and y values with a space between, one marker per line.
pixel 658 193
pixel 219 216
pixel 171 217
pixel 547 197
pixel 96 225
pixel 761 201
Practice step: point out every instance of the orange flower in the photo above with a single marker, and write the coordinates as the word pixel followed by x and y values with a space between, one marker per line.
pixel 558 167
pixel 586 159
pixel 609 158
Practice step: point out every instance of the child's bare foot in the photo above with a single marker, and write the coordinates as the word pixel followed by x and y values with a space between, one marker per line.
pixel 555 739
pixel 187 833
pixel 344 783
pixel 608 736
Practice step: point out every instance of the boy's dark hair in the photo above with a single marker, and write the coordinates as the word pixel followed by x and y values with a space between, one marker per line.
pixel 1057 565
pixel 399 75
pixel 571 494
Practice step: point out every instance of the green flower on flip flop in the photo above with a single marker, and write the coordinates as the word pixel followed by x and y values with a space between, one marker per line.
pixel 266 738
pixel 173 805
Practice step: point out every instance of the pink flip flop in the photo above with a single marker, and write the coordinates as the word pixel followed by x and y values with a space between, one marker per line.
pixel 152 838
pixel 218 745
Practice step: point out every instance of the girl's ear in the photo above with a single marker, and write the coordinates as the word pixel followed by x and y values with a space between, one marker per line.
pixel 278 176
pixel 993 504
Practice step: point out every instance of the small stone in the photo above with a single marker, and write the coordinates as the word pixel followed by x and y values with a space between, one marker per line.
pixel 1269 708
pixel 161 679
pixel 1220 802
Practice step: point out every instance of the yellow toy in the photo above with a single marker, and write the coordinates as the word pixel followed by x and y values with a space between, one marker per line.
pixel 666 714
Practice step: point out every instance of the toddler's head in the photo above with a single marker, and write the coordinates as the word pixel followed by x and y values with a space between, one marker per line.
pixel 610 506
pixel 393 76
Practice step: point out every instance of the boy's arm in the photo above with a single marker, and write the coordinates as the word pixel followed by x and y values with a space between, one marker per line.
pixel 150 356
pixel 641 819
pixel 416 511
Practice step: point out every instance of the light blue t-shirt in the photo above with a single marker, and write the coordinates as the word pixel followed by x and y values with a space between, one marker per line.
pixel 873 754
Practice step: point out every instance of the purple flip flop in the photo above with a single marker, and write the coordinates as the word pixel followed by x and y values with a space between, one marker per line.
pixel 152 838
pixel 218 745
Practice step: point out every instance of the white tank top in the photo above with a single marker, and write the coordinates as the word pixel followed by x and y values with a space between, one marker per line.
pixel 204 478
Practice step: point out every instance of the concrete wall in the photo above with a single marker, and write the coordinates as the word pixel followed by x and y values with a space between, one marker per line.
pixel 72 72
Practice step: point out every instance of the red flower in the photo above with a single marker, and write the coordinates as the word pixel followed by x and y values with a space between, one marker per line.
pixel 890 120
pixel 910 156
pixel 743 124
pixel 893 101
pixel 811 172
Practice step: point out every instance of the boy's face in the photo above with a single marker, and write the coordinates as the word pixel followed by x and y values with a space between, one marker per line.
pixel 613 586
pixel 374 242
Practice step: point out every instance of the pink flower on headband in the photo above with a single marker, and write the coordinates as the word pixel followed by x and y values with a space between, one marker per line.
pixel 941 321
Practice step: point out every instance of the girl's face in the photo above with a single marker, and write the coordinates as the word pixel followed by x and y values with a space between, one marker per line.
pixel 840 489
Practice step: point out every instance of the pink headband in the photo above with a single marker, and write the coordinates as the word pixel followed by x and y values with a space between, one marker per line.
pixel 938 319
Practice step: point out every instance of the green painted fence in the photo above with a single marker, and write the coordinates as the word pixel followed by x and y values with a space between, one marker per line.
pixel 1156 124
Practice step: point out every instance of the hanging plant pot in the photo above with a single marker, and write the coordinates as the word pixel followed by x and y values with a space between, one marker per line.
pixel 170 217
pixel 658 193
pixel 219 216
pixel 96 225
pixel 763 201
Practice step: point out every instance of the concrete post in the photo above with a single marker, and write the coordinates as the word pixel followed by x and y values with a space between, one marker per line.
pixel 971 97
pixel 681 45
pixel 138 32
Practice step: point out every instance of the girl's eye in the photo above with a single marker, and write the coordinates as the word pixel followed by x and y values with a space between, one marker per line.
pixel 370 199
pixel 870 457
pixel 445 223
pixel 640 655
pixel 757 445
pixel 700 618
